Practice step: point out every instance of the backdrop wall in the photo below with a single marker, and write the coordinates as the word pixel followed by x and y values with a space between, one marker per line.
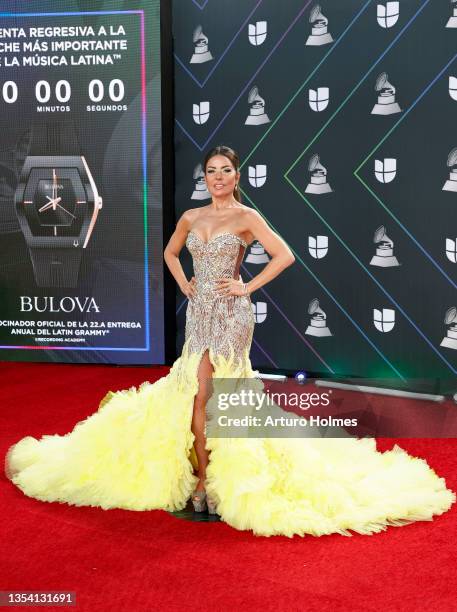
pixel 344 118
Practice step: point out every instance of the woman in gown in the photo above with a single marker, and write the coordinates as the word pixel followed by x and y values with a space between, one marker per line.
pixel 139 449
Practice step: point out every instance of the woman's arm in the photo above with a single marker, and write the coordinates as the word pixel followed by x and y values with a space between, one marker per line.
pixel 173 249
pixel 281 255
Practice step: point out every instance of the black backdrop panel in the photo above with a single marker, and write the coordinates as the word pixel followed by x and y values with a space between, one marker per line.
pixel 344 91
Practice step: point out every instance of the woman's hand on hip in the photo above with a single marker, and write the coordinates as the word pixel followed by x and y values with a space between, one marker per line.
pixel 227 287
pixel 189 288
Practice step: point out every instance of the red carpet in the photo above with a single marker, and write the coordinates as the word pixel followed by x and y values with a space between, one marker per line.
pixel 119 560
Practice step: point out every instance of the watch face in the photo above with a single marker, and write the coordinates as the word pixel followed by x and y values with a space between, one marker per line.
pixel 55 202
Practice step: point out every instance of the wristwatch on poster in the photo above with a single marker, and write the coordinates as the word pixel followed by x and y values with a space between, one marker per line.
pixel 57 204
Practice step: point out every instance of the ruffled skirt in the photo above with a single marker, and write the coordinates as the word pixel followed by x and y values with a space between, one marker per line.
pixel 136 453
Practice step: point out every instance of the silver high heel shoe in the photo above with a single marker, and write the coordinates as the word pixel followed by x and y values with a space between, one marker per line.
pixel 211 504
pixel 199 501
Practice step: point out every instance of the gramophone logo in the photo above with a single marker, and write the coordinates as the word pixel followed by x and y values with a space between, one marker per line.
pixel 384 320
pixel 386 104
pixel 450 319
pixel 201 51
pixel 451 183
pixel 257 114
pixel 257 175
pixel 388 14
pixel 319 98
pixel 257 33
pixel 318 246
pixel 385 170
pixel 200 189
pixel 257 254
pixel 200 112
pixel 260 311
pixel 319 28
pixel 452 23
pixel 318 182
pixel 318 323
pixel 453 87
pixel 384 257
pixel 451 249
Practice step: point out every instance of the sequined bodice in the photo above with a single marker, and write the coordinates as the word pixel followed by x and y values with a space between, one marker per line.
pixel 220 257
pixel 223 324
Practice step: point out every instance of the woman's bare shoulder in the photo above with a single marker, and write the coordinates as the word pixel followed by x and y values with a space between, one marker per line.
pixel 191 214
pixel 248 211
pixel 195 211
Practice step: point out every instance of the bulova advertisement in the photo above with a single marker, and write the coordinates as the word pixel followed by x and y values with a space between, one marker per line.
pixel 76 188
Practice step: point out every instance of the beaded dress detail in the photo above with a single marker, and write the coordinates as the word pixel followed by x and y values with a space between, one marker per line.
pixel 223 325
pixel 136 451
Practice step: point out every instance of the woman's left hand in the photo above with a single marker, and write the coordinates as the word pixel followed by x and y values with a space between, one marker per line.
pixel 227 286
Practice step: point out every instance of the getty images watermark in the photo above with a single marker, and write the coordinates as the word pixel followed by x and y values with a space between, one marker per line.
pixel 306 408
pixel 246 408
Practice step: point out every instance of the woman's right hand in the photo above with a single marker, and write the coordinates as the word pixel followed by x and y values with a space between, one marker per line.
pixel 189 288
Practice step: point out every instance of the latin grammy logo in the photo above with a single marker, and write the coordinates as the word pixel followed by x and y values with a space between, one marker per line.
pixel 200 191
pixel 386 104
pixel 257 114
pixel 318 323
pixel 450 318
pixel 201 52
pixel 319 28
pixel 452 23
pixel 257 254
pixel 318 182
pixel 451 183
pixel 384 257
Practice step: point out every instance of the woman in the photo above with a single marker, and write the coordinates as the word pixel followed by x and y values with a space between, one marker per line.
pixel 136 452
pixel 217 236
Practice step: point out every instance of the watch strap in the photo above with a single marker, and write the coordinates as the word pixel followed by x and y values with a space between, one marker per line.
pixel 56 267
pixel 56 138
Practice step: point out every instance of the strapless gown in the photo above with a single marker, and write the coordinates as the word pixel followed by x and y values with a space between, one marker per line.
pixel 136 451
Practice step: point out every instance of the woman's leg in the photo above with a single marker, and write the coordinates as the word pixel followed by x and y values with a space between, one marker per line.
pixel 205 372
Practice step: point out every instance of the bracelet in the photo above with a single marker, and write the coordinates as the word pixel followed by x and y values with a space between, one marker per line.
pixel 246 292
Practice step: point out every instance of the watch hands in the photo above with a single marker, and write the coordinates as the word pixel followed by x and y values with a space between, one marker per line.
pixel 67 211
pixel 54 187
pixel 52 202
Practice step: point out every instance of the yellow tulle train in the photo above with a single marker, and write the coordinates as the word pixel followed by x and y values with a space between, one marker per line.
pixel 136 453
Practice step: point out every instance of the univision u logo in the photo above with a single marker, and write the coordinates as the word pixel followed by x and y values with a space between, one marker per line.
pixel 386 170
pixel 387 15
pixel 260 311
pixel 257 33
pixel 384 320
pixel 318 98
pixel 453 87
pixel 318 246
pixel 200 112
pixel 257 175
pixel 451 249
